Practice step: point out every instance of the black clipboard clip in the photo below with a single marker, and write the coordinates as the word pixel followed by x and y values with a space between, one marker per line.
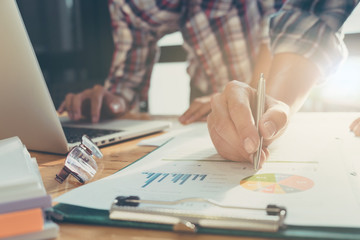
pixel 132 208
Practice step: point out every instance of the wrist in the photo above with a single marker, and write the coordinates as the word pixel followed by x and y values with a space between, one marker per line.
pixel 291 79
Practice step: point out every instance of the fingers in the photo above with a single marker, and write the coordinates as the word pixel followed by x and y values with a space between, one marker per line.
pixel 198 110
pixel 231 125
pixel 229 151
pixel 62 108
pixel 67 105
pixel 75 105
pixel 96 100
pixel 239 107
pixel 222 145
pixel 355 127
pixel 72 104
pixel 220 124
pixel 274 120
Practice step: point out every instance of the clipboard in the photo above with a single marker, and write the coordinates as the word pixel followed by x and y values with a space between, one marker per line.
pixel 74 214
pixel 129 208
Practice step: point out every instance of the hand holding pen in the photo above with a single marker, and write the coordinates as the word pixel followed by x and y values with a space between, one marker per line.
pixel 232 123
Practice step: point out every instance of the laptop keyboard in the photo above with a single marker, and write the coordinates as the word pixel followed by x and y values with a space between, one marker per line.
pixel 74 134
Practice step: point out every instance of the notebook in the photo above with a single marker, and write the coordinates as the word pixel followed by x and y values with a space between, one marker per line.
pixel 24 203
pixel 26 107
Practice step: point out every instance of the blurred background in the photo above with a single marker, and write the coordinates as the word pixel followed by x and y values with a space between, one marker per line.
pixel 73 43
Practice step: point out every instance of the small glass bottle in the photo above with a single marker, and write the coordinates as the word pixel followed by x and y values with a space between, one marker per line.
pixel 80 162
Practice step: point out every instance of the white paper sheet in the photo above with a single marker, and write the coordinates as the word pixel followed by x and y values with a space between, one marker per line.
pixel 310 172
pixel 176 130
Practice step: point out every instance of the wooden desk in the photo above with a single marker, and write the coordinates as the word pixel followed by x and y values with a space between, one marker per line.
pixel 115 157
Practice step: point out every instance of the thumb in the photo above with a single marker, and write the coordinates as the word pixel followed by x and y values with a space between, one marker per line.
pixel 274 121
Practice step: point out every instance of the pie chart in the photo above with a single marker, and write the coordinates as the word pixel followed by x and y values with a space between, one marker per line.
pixel 277 183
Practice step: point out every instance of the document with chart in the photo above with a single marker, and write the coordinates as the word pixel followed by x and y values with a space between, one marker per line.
pixel 311 171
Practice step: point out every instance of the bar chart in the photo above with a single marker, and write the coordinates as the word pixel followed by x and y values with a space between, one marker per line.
pixel 175 178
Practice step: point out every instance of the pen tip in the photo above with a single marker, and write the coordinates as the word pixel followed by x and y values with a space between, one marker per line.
pixel 261 75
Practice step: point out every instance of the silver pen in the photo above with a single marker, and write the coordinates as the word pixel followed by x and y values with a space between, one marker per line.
pixel 260 106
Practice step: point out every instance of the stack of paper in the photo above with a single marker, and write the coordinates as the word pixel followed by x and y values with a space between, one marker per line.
pixel 23 199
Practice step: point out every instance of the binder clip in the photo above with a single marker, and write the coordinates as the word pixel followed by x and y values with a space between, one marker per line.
pixel 132 208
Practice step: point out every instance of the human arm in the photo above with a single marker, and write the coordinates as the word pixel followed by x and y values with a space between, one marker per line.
pixel 128 80
pixel 304 52
pixel 231 122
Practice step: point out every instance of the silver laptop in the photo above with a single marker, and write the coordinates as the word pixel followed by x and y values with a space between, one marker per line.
pixel 26 108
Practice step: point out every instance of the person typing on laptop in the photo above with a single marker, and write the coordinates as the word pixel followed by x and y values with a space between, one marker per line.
pixel 31 115
pixel 222 39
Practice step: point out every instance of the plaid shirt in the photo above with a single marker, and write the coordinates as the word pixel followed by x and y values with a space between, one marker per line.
pixel 221 37
pixel 312 29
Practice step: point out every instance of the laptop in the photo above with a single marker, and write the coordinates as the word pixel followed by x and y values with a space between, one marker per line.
pixel 26 107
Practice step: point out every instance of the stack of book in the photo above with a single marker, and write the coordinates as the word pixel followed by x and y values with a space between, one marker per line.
pixel 23 199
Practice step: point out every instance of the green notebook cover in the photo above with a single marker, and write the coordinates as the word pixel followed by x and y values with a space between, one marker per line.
pixel 74 214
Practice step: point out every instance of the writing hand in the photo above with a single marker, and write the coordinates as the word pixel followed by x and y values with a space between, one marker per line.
pixel 231 123
pixel 91 103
